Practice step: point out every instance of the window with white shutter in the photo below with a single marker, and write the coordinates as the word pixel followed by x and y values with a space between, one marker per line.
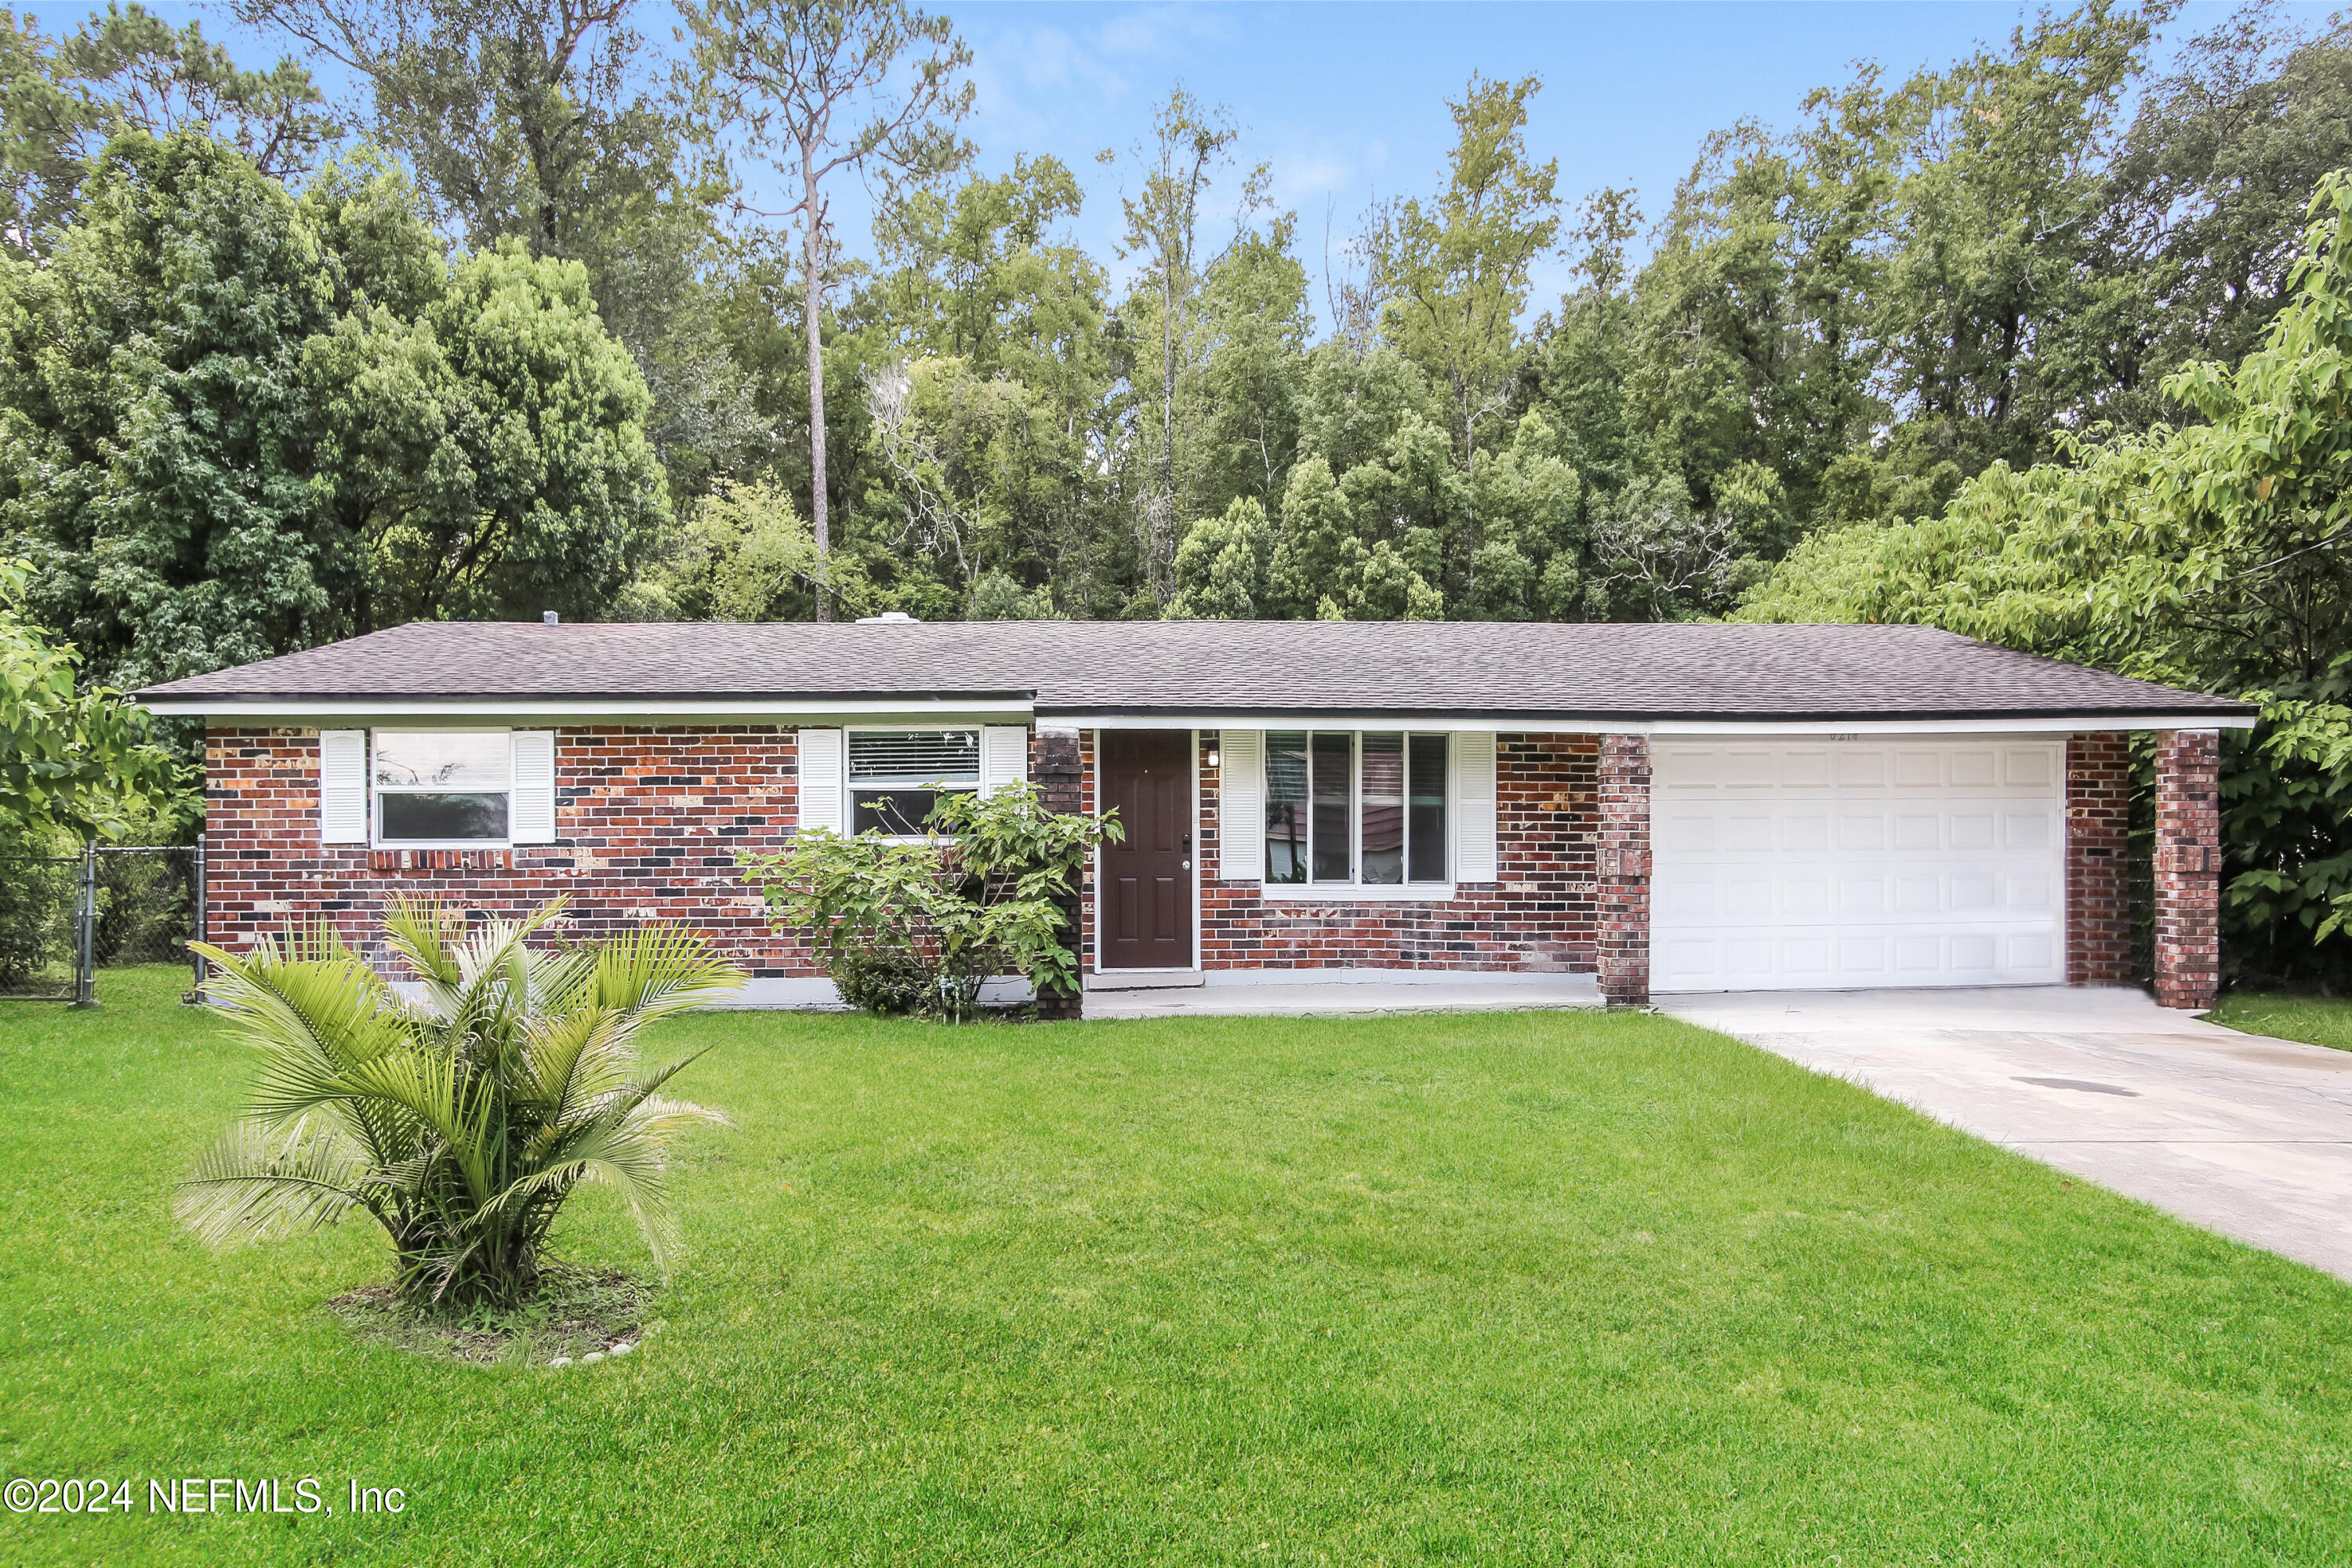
pixel 821 800
pixel 532 816
pixel 342 786
pixel 1473 808
pixel 1003 754
pixel 1240 805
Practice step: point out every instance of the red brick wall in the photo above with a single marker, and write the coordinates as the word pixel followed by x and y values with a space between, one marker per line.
pixel 1059 766
pixel 2098 871
pixel 1539 914
pixel 2188 868
pixel 1624 868
pixel 649 823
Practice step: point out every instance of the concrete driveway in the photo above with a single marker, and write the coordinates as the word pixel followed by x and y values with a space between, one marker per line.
pixel 2245 1135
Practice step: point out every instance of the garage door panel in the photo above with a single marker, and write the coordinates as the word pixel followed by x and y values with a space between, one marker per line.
pixel 1909 863
pixel 1802 770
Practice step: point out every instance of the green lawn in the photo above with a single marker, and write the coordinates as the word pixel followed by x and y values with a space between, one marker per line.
pixel 2288 1015
pixel 1503 1288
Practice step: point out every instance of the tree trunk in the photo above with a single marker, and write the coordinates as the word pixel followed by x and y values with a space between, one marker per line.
pixel 812 225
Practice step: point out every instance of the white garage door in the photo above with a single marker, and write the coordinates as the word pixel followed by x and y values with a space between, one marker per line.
pixel 1836 865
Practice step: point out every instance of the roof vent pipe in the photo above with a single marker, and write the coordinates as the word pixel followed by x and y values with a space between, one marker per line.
pixel 549 619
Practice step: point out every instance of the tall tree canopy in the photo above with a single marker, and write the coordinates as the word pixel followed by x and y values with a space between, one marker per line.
pixel 233 421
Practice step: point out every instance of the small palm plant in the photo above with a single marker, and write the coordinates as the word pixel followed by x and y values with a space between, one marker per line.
pixel 462 1122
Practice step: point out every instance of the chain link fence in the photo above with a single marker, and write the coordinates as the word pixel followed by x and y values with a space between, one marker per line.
pixel 66 919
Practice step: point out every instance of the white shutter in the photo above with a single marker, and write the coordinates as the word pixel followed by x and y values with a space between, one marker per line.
pixel 1003 756
pixel 1473 806
pixel 342 786
pixel 1240 805
pixel 530 808
pixel 821 789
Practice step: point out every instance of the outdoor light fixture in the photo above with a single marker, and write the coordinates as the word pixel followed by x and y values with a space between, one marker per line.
pixel 1213 756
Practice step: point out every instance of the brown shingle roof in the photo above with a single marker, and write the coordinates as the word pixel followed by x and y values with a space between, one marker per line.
pixel 1220 667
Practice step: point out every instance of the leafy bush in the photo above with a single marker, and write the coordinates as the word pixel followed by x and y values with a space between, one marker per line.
pixel 38 898
pixel 919 925
pixel 462 1125
pixel 890 982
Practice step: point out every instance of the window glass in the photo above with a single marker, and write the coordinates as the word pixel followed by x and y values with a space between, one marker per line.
pixel 1426 820
pixel 1286 807
pixel 446 761
pixel 915 756
pixel 1383 808
pixel 901 809
pixel 434 817
pixel 1332 787
pixel 448 787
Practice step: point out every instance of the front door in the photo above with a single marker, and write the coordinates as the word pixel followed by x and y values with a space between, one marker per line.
pixel 1145 918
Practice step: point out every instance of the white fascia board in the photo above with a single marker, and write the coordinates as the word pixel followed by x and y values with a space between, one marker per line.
pixel 2083 725
pixel 1547 725
pixel 597 711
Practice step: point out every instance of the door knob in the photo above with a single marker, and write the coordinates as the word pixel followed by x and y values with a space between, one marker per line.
pixel 1187 866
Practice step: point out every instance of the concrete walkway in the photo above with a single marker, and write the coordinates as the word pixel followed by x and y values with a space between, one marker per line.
pixel 1331 994
pixel 2248 1136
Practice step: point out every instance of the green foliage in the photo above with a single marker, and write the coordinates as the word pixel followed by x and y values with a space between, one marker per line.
pixel 463 1124
pixel 745 554
pixel 40 890
pixel 986 891
pixel 235 423
pixel 1220 567
pixel 125 69
pixel 76 761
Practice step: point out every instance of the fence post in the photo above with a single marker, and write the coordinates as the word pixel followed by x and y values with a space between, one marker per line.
pixel 200 933
pixel 86 944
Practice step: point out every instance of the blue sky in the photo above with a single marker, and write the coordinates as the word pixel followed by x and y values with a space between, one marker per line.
pixel 1347 101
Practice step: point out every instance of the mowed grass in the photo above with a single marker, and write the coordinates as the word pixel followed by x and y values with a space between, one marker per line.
pixel 1502 1289
pixel 2289 1015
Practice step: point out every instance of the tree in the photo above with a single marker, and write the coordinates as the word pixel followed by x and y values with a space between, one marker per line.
pixel 125 69
pixel 1220 567
pixel 464 1126
pixel 1163 227
pixel 1454 273
pixel 233 423
pixel 520 117
pixel 814 87
pixel 79 762
pixel 490 452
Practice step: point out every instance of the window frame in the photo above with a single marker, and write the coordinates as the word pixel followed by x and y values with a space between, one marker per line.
pixel 851 783
pixel 376 790
pixel 1355 888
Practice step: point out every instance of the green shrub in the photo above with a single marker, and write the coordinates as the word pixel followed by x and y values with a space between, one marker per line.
pixel 462 1125
pixel 981 894
pixel 887 981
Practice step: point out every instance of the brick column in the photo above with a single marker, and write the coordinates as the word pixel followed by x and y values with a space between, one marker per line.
pixel 1621 880
pixel 2188 868
pixel 1058 769
pixel 2098 872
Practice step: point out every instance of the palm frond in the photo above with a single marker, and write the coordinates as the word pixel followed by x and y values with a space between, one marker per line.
pixel 254 1183
pixel 657 969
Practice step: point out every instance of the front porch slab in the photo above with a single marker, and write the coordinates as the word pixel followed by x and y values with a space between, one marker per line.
pixel 1344 993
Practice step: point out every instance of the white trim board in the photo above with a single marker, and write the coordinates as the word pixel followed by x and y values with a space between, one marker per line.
pixel 1554 724
pixel 917 711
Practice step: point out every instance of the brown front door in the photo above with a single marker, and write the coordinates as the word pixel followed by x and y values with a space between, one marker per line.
pixel 1146 915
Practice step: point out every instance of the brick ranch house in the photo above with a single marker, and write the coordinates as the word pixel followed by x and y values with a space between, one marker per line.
pixel 1686 807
